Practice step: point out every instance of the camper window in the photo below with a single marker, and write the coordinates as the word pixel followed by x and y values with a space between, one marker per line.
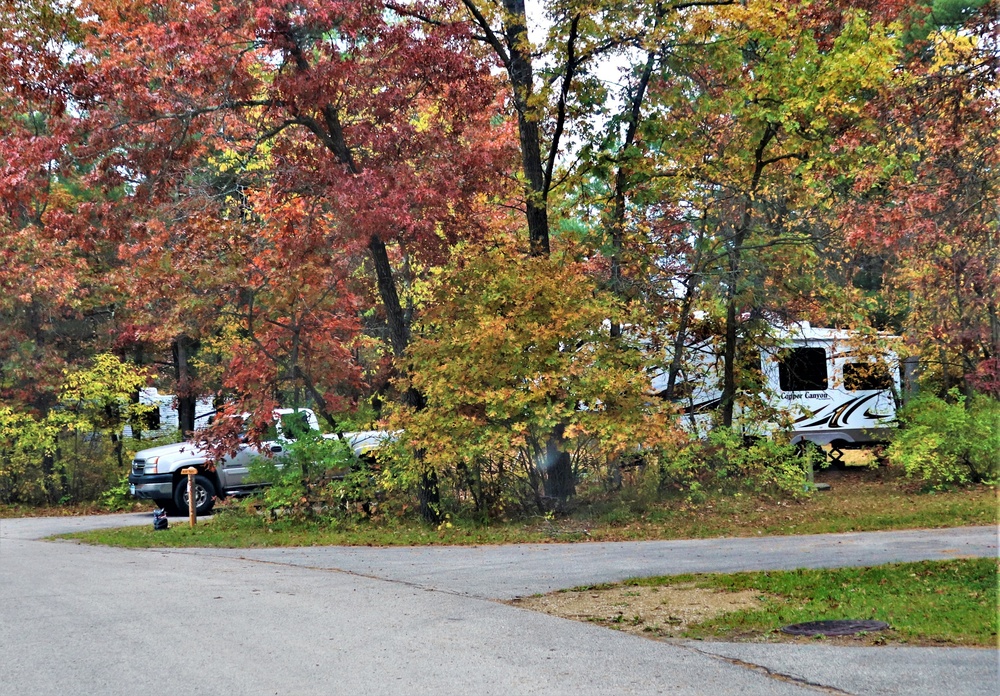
pixel 151 419
pixel 803 369
pixel 862 376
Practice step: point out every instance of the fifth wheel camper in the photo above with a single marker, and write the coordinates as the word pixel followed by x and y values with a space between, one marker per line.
pixel 827 386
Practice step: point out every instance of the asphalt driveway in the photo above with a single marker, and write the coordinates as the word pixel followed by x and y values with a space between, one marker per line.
pixel 91 620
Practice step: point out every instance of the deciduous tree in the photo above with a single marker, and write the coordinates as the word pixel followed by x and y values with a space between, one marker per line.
pixel 931 209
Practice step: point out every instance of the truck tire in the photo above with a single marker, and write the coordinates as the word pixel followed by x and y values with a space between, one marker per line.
pixel 204 495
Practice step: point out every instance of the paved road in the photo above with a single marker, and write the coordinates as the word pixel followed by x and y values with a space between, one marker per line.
pixel 505 572
pixel 92 620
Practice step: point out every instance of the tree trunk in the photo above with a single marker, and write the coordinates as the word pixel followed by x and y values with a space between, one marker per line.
pixel 680 337
pixel 521 76
pixel 429 496
pixel 740 231
pixel 729 360
pixel 119 448
pixel 732 295
pixel 621 182
pixel 428 491
pixel 557 471
pixel 183 348
pixel 53 493
pixel 399 330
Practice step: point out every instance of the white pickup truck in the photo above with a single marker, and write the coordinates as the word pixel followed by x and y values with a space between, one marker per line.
pixel 156 476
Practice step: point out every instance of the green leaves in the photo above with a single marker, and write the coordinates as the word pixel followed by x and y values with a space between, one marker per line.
pixel 94 404
pixel 944 443
pixel 314 476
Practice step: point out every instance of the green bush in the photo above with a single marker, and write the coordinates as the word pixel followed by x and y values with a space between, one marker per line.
pixel 117 498
pixel 724 462
pixel 314 476
pixel 74 452
pixel 29 469
pixel 949 442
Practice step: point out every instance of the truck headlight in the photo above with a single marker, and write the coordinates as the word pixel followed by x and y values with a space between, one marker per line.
pixel 151 465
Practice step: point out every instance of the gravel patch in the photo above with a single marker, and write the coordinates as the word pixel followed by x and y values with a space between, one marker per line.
pixel 662 612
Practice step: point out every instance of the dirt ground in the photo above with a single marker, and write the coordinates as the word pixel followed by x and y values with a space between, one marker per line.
pixel 661 612
pixel 666 612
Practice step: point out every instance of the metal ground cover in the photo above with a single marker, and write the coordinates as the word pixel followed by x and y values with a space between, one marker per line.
pixel 836 627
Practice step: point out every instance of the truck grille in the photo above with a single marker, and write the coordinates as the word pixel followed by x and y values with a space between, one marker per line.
pixel 138 466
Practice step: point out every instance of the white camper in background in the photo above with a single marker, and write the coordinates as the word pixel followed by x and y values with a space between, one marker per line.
pixel 164 419
pixel 822 384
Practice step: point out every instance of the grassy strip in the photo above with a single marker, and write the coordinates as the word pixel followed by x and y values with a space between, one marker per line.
pixel 15 511
pixel 233 531
pixel 932 602
pixel 851 506
pixel 854 504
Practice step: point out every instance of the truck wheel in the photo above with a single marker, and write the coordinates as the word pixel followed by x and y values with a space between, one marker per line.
pixel 204 495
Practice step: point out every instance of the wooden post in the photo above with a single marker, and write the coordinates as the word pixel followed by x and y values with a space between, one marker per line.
pixel 191 471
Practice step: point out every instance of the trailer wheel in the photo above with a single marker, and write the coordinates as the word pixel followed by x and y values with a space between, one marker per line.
pixel 809 448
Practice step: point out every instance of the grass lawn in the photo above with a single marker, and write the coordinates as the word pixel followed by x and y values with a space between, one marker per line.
pixel 857 501
pixel 68 510
pixel 928 603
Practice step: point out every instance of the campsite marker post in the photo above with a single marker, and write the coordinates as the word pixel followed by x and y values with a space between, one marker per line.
pixel 190 471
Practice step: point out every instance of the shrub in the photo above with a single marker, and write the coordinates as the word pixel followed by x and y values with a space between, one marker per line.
pixel 29 470
pixel 315 475
pixel 117 498
pixel 724 462
pixel 949 442
pixel 74 452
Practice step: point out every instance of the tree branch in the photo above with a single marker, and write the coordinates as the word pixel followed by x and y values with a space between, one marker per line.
pixel 222 106
pixel 491 37
pixel 571 65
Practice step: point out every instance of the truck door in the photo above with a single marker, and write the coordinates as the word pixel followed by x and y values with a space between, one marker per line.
pixel 235 469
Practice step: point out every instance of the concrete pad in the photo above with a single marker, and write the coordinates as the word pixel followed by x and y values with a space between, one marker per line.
pixel 882 671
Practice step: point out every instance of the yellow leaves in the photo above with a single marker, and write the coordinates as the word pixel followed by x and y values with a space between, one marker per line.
pixel 232 161
pixel 108 377
pixel 98 398
pixel 101 397
pixel 953 50
pixel 24 437
pixel 522 348
pixel 772 16
pixel 425 117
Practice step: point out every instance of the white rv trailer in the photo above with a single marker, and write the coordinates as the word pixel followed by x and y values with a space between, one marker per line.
pixel 823 385
pixel 164 418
